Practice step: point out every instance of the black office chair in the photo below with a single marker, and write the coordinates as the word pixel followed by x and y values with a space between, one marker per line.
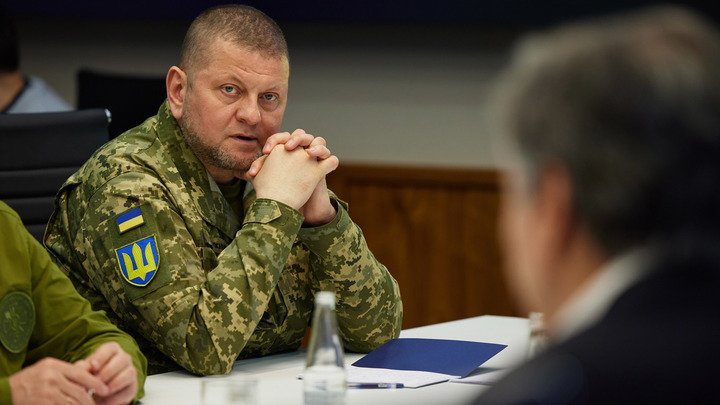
pixel 131 99
pixel 38 152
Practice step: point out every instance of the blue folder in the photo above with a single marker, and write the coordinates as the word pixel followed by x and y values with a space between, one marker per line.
pixel 452 357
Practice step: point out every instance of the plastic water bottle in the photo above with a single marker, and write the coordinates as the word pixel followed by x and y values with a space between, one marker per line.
pixel 324 377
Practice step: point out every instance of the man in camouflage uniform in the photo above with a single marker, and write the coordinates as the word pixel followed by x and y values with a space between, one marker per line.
pixel 203 251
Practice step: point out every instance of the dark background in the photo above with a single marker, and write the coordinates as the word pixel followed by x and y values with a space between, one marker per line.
pixel 503 13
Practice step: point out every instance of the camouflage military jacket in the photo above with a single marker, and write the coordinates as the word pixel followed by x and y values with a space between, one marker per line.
pixel 146 235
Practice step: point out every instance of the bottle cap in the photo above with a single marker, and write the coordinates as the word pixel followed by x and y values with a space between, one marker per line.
pixel 325 298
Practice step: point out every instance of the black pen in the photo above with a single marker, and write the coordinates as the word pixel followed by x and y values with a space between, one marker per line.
pixel 375 385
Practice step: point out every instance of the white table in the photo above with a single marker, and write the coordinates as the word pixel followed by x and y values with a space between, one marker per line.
pixel 278 383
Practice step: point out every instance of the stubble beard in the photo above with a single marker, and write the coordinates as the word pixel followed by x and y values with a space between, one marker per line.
pixel 212 155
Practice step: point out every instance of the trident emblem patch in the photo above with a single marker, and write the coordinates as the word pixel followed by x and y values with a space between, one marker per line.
pixel 139 261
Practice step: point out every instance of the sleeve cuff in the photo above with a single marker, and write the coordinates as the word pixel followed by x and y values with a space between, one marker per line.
pixel 320 239
pixel 265 211
pixel 5 394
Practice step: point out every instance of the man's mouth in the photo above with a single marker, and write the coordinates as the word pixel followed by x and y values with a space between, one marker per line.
pixel 244 138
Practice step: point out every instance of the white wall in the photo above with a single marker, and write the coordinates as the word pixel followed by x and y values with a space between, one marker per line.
pixel 378 94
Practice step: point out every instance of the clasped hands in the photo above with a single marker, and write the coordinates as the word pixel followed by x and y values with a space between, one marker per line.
pixel 106 377
pixel 292 170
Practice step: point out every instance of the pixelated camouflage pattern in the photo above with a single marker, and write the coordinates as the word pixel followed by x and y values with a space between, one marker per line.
pixel 223 290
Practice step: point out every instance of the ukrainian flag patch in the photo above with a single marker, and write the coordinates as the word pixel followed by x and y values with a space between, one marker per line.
pixel 139 261
pixel 130 220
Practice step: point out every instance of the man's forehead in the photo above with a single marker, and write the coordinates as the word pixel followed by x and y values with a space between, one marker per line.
pixel 227 59
pixel 220 44
pixel 247 57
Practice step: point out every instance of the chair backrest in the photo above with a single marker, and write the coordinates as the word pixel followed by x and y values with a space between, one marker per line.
pixel 131 99
pixel 38 152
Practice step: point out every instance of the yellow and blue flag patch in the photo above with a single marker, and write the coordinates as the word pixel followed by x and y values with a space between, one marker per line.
pixel 130 220
pixel 139 261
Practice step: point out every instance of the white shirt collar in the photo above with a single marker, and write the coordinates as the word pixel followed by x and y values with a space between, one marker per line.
pixel 589 303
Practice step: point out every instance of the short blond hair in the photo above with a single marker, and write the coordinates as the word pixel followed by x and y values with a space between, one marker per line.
pixel 241 25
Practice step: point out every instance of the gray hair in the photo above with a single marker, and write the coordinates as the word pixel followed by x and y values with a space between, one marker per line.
pixel 630 106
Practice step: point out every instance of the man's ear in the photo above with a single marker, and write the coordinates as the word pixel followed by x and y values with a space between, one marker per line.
pixel 176 84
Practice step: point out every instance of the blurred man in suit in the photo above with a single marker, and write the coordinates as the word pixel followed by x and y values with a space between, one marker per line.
pixel 610 214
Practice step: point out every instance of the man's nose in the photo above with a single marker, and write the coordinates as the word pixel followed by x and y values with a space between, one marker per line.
pixel 248 111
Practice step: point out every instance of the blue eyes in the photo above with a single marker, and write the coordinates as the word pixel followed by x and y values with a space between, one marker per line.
pixel 264 98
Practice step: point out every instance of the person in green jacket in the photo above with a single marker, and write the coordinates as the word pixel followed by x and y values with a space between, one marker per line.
pixel 54 349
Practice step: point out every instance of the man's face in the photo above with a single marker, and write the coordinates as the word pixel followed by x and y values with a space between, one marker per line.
pixel 232 104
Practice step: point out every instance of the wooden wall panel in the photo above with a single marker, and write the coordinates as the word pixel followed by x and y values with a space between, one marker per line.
pixel 435 230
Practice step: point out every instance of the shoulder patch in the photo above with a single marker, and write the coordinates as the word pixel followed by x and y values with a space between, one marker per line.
pixel 17 321
pixel 130 220
pixel 139 261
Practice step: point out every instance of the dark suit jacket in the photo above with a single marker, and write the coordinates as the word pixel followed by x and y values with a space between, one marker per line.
pixel 659 343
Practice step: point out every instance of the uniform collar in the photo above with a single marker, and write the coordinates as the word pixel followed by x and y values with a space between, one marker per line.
pixel 201 188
